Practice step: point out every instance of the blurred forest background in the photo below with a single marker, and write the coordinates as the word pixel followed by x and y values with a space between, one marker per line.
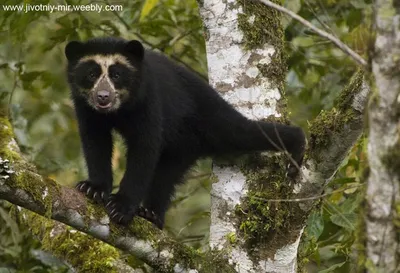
pixel 33 85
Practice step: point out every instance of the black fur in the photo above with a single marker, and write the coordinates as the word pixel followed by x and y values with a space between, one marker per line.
pixel 171 118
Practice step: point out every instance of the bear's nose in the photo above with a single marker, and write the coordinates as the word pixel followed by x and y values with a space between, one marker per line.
pixel 103 97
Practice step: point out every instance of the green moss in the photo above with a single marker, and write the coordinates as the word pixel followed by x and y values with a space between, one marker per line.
pixel 328 122
pixel 212 261
pixel 143 229
pixel 231 237
pixel 260 24
pixel 275 71
pixel 25 177
pixel 185 256
pixel 70 245
pixel 262 222
pixel 217 262
pixel 140 228
pixel 93 211
pixel 345 99
pixel 76 247
pixel 6 135
pixel 43 191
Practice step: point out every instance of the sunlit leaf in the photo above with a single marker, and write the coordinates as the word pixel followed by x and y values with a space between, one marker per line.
pixel 303 41
pixel 315 224
pixel 346 220
pixel 147 7
pixel 332 268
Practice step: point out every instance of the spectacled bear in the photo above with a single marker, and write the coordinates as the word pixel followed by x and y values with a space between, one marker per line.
pixel 168 117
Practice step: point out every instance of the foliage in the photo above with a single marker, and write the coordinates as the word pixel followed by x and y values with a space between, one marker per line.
pixel 33 79
pixel 318 72
pixel 331 237
pixel 19 252
pixel 32 67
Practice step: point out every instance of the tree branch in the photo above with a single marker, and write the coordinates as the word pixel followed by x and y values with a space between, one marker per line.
pixel 318 31
pixel 332 135
pixel 72 246
pixel 264 235
pixel 21 185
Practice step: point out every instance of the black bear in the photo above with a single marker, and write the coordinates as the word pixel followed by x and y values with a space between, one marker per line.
pixel 168 116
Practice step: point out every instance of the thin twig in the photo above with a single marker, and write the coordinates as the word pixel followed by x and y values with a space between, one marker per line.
pixel 325 26
pixel 320 32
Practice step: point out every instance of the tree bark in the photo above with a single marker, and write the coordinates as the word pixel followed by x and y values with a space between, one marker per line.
pixel 382 197
pixel 247 66
pixel 239 58
pixel 243 44
pixel 250 231
pixel 20 184
pixel 72 246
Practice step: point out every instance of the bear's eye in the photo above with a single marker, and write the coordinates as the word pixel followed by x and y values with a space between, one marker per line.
pixel 114 76
pixel 92 76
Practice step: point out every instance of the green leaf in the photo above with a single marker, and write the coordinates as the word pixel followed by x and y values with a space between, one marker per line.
pixel 351 204
pixel 345 220
pixel 315 225
pixel 343 180
pixel 332 268
pixel 147 7
pixel 303 41
pixel 293 5
pixel 7 270
pixel 28 78
pixel 358 4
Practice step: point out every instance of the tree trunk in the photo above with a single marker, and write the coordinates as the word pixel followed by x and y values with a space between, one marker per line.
pixel 382 200
pixel 255 222
pixel 244 41
pixel 246 65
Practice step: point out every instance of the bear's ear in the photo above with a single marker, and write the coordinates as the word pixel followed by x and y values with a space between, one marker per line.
pixel 135 48
pixel 74 50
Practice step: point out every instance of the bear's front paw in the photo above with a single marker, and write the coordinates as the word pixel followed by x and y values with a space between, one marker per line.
pixel 292 171
pixel 120 209
pixel 150 216
pixel 93 191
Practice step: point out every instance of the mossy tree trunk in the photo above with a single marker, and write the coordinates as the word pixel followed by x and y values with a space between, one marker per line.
pixel 246 62
pixel 383 199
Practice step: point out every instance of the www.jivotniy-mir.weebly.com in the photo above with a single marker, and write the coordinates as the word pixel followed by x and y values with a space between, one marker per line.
pixel 61 8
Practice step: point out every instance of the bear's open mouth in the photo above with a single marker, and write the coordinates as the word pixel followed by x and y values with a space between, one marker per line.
pixel 108 105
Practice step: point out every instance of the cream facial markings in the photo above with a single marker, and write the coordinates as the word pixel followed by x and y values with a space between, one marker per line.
pixel 106 60
pixel 103 81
